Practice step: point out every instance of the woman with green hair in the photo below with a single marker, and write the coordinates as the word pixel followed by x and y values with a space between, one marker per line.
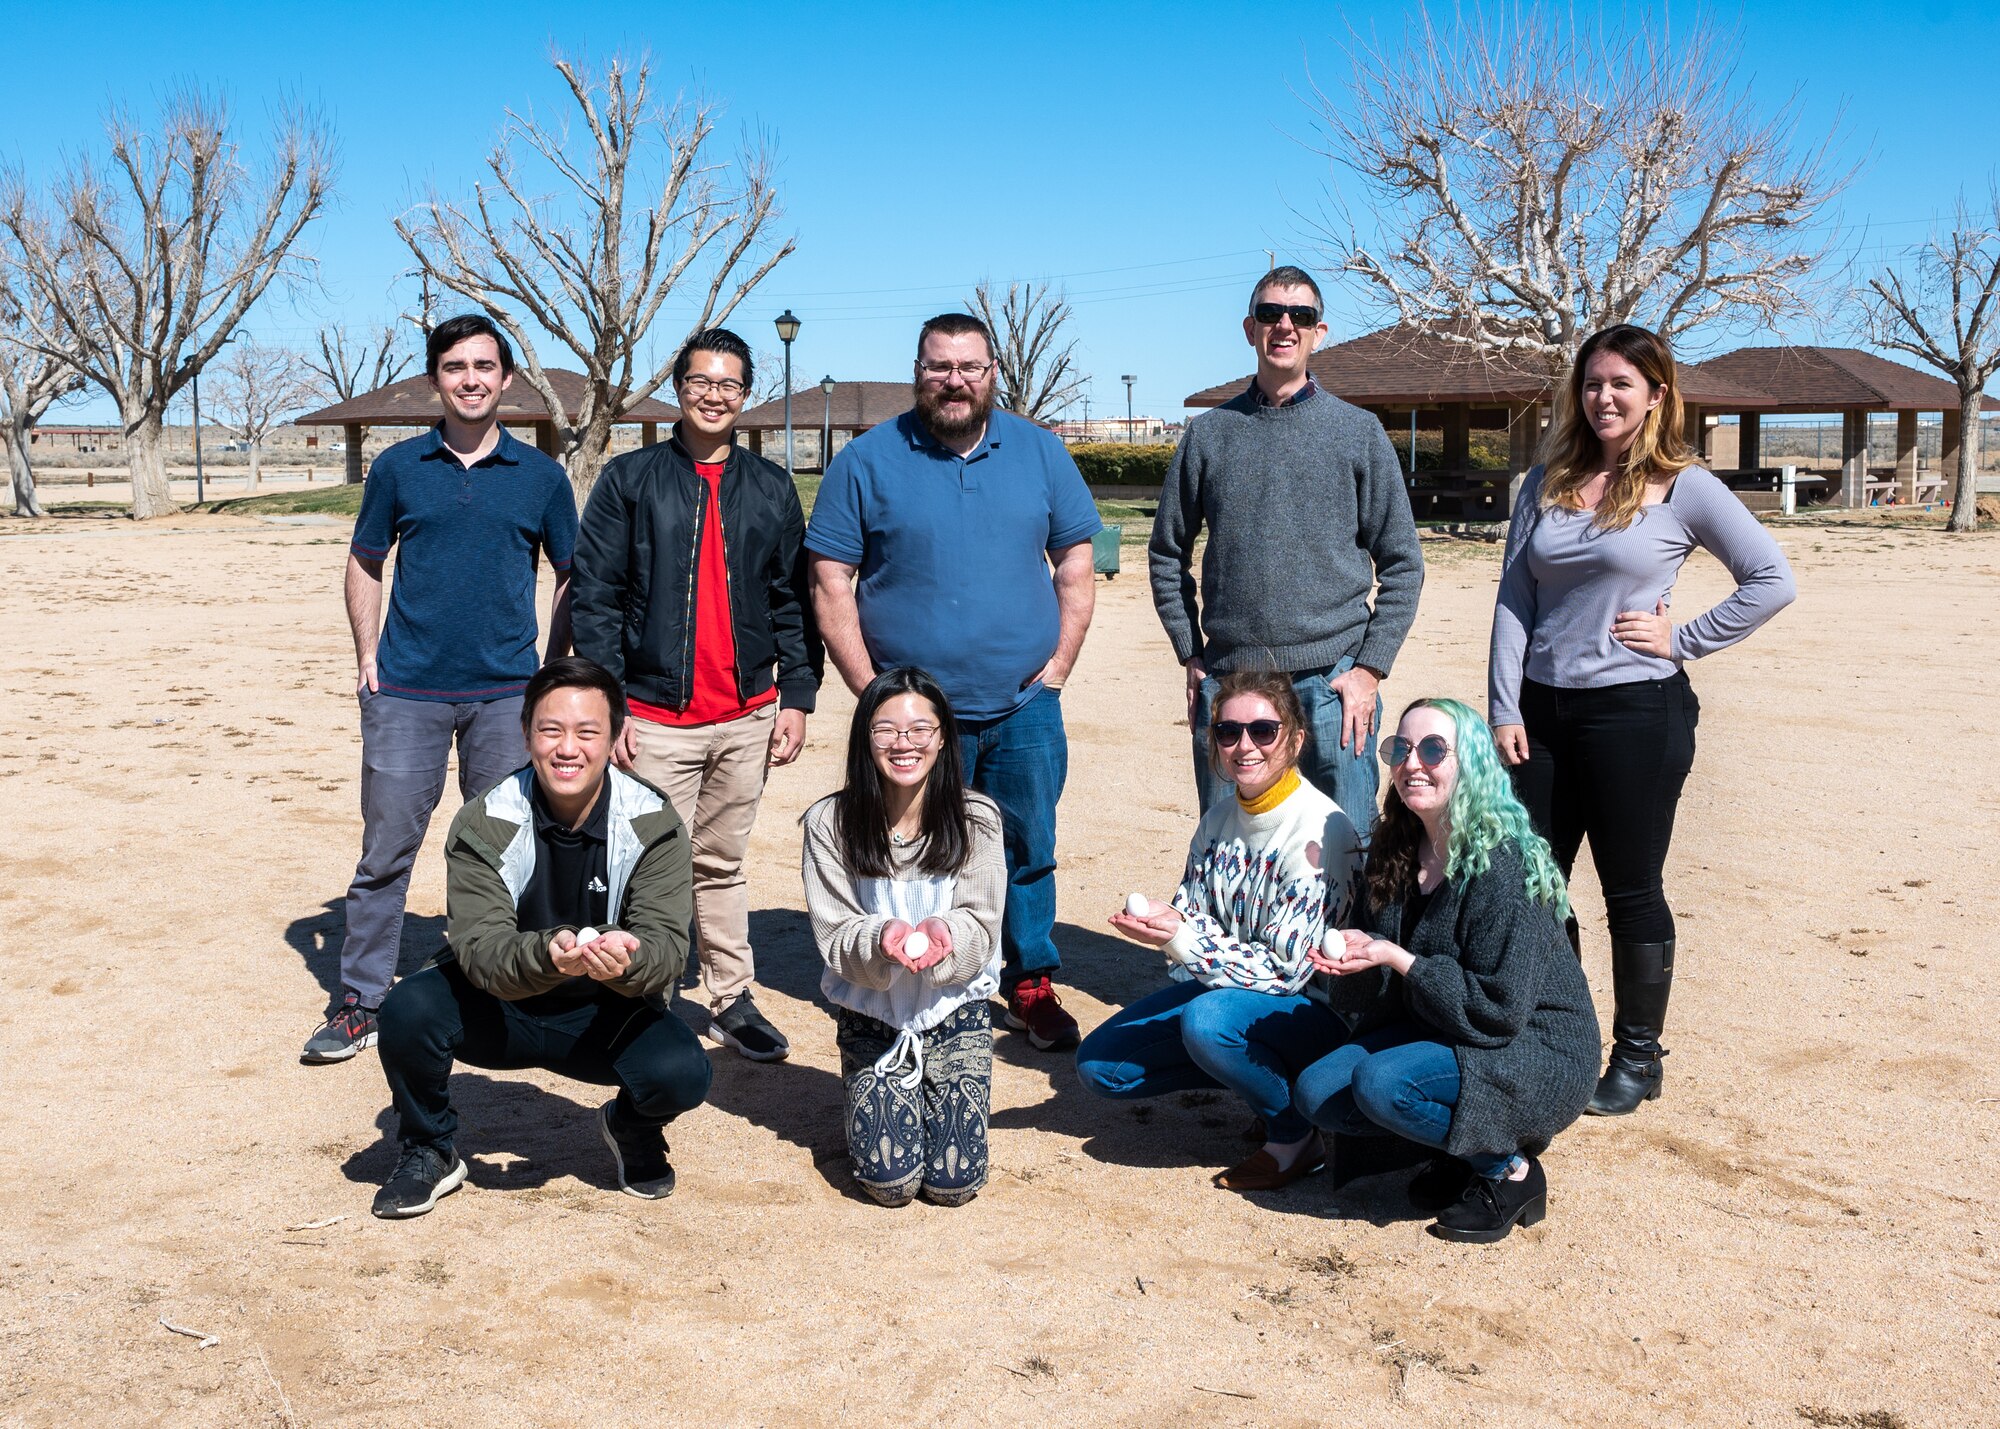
pixel 1475 1033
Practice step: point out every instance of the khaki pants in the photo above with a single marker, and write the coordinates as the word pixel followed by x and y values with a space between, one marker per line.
pixel 713 775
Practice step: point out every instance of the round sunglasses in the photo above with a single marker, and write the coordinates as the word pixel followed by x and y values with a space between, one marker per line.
pixel 1431 751
pixel 1263 732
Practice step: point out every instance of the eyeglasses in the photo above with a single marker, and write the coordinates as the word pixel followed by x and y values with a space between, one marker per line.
pixel 941 371
pixel 1263 732
pixel 1431 751
pixel 1271 314
pixel 698 386
pixel 884 736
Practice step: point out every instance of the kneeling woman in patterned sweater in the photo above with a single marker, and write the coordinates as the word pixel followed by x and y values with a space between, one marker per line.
pixel 1475 1033
pixel 1268 870
pixel 905 879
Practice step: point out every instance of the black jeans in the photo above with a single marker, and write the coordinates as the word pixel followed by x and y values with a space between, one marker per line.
pixel 437 1017
pixel 1608 764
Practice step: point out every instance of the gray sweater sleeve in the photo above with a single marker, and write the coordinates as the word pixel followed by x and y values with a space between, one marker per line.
pixel 1170 554
pixel 979 894
pixel 849 939
pixel 1725 528
pixel 1485 997
pixel 1513 609
pixel 1388 532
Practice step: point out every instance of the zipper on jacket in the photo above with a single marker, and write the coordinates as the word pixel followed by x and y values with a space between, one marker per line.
pixel 728 592
pixel 694 578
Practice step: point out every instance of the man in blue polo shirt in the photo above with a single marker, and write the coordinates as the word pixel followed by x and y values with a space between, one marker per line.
pixel 933 540
pixel 470 507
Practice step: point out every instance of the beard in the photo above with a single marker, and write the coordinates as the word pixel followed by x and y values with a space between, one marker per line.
pixel 967 416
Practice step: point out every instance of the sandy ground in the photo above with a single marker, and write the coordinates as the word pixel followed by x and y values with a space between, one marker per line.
pixel 1797 1234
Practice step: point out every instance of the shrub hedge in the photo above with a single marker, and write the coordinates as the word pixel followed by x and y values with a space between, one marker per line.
pixel 1116 464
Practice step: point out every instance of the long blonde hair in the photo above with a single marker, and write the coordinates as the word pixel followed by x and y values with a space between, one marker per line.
pixel 1572 454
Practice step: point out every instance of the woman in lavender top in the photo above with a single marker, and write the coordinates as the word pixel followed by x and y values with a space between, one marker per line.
pixel 1588 699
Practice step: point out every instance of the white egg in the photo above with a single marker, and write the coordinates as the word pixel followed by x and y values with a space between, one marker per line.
pixel 587 935
pixel 1138 905
pixel 916 945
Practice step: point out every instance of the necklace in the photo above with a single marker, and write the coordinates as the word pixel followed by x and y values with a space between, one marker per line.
pixel 898 838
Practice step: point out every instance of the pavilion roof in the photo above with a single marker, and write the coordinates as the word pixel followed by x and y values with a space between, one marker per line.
pixel 857 406
pixel 412 403
pixel 1405 366
pixel 1825 379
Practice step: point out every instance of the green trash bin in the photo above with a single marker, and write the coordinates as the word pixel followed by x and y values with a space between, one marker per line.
pixel 1104 551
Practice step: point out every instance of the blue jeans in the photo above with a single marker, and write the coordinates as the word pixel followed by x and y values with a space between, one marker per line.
pixel 1390 1082
pixel 1187 1037
pixel 1020 762
pixel 405 748
pixel 1349 777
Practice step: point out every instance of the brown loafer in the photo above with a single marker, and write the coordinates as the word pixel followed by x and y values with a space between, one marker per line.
pixel 1260 1172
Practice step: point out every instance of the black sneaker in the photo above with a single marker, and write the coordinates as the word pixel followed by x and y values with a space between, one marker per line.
pixel 1490 1209
pixel 350 1028
pixel 742 1027
pixel 422 1175
pixel 639 1153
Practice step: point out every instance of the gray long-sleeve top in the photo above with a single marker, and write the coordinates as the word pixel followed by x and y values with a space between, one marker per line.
pixel 1306 513
pixel 1564 581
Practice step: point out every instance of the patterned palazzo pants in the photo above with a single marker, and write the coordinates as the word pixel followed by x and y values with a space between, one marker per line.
pixel 928 1138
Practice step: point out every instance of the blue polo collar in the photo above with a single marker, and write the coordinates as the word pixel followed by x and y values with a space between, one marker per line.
pixel 920 438
pixel 506 451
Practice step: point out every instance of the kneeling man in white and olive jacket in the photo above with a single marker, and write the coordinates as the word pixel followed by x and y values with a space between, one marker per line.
pixel 570 889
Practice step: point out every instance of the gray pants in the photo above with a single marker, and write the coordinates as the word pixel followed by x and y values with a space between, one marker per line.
pixel 405 748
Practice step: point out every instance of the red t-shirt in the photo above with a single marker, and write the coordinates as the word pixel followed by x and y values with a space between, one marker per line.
pixel 714 699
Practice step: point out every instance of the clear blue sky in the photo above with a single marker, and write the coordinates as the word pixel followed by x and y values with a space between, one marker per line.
pixel 1145 155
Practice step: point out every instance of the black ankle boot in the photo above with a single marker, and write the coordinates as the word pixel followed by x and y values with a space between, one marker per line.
pixel 1642 974
pixel 1441 1182
pixel 1490 1209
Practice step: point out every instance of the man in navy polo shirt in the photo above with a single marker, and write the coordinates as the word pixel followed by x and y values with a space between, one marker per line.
pixel 932 543
pixel 470 508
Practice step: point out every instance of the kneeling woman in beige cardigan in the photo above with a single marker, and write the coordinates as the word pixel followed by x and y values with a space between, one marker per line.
pixel 905 880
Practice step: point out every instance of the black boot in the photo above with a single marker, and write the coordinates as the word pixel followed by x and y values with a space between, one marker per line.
pixel 1441 1182
pixel 1490 1209
pixel 1642 974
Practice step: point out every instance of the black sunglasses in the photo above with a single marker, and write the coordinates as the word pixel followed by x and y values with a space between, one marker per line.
pixel 1431 751
pixel 1263 732
pixel 1301 315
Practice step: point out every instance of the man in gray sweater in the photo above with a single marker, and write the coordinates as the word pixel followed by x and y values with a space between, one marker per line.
pixel 1306 511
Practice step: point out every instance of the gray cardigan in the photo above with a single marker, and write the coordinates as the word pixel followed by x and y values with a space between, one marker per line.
pixel 1494 979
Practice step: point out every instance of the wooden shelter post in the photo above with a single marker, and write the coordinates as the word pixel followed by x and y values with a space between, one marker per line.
pixel 1854 457
pixel 1749 441
pixel 1953 433
pixel 1457 436
pixel 1906 456
pixel 649 433
pixel 351 449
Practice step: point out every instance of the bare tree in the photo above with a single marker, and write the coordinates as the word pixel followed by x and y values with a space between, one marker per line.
pixel 1942 307
pixel 342 361
pixel 1038 377
pixel 149 262
pixel 1529 181
pixel 593 268
pixel 30 383
pixel 256 389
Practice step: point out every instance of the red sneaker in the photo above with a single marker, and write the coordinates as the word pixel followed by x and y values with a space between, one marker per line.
pixel 1034 1008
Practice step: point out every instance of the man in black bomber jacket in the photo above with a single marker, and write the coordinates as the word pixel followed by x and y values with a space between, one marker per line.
pixel 689 585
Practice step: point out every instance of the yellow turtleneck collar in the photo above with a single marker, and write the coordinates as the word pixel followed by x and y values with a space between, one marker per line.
pixel 1273 796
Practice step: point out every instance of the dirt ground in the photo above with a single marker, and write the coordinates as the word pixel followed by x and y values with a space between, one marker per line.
pixel 1797 1234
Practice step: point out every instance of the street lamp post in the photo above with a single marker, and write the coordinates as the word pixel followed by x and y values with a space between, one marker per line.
pixel 826 425
pixel 1128 379
pixel 788 328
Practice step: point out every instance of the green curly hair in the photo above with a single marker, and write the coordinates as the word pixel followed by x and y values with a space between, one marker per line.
pixel 1484 813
